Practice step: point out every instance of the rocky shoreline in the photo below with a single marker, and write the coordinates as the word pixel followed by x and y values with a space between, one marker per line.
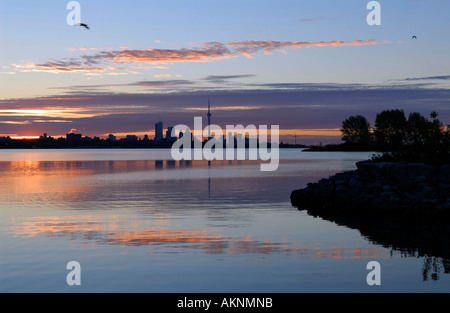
pixel 402 190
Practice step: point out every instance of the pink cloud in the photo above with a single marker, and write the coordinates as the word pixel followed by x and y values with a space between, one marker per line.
pixel 211 51
pixel 248 48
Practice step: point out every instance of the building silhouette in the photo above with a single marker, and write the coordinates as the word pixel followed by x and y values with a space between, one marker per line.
pixel 132 138
pixel 169 132
pixel 159 131
pixel 73 137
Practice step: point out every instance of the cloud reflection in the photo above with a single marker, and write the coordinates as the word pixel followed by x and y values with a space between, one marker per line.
pixel 120 231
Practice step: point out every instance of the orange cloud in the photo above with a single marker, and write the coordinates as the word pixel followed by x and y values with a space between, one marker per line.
pixel 50 113
pixel 162 75
pixel 16 122
pixel 311 132
pixel 58 67
pixel 211 51
pixel 248 48
pixel 84 49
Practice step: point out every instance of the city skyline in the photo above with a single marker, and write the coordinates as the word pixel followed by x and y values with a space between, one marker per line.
pixel 302 65
pixel 158 133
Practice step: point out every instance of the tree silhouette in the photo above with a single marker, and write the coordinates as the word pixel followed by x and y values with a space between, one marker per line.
pixel 417 129
pixel 416 139
pixel 390 128
pixel 356 130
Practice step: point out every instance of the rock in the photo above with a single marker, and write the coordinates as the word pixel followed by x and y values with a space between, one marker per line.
pixel 427 191
pixel 418 179
pixel 443 186
pixel 444 174
pixel 420 170
pixel 388 188
pixel 400 173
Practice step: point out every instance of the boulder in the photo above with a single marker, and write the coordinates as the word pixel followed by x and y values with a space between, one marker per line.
pixel 406 189
pixel 444 174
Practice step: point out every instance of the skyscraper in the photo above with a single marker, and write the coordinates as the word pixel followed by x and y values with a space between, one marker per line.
pixel 159 131
pixel 169 132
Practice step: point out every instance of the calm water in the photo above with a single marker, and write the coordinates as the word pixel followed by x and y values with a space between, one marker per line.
pixel 138 222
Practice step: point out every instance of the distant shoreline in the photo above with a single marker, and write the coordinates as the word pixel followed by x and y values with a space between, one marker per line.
pixel 97 143
pixel 344 148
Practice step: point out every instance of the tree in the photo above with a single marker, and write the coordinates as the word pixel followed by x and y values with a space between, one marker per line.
pixel 417 129
pixel 356 130
pixel 437 131
pixel 421 131
pixel 423 140
pixel 390 128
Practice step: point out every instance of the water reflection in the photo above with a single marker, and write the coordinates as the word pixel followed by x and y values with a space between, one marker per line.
pixel 161 207
pixel 410 238
pixel 35 167
pixel 119 230
pixel 226 182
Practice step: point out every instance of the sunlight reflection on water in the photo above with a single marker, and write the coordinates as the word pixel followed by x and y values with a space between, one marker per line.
pixel 135 216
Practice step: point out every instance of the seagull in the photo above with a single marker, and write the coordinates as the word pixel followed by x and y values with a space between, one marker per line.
pixel 414 37
pixel 84 25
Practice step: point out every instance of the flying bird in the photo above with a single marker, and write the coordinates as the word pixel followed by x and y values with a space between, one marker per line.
pixel 414 37
pixel 84 25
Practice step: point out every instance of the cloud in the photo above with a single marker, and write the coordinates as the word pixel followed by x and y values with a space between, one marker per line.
pixel 225 108
pixel 209 52
pixel 16 122
pixel 84 49
pixel 291 106
pixel 223 77
pixel 54 66
pixel 162 75
pixel 46 112
pixel 161 83
pixel 219 79
pixel 97 63
pixel 443 77
pixel 248 48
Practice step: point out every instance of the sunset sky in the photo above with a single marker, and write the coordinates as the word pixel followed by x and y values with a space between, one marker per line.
pixel 304 65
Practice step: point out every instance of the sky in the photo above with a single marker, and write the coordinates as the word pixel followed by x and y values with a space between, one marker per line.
pixel 304 65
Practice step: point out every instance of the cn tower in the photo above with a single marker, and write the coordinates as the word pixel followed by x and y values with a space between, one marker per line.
pixel 209 118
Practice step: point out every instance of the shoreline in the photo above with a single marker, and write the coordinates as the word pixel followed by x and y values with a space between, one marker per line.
pixel 403 206
pixel 395 189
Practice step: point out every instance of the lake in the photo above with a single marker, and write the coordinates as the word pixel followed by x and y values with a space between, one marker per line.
pixel 136 221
